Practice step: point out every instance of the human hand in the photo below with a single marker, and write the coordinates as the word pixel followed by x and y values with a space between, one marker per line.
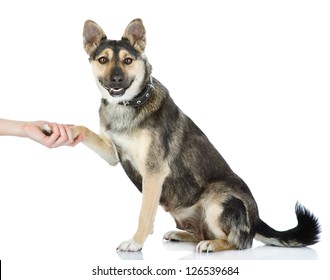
pixel 51 135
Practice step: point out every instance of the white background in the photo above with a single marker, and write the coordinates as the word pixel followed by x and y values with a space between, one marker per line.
pixel 254 76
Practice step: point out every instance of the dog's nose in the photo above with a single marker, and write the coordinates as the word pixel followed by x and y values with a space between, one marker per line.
pixel 116 79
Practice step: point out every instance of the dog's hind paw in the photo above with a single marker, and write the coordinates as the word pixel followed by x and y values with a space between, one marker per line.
pixel 205 247
pixel 179 236
pixel 208 246
pixel 129 246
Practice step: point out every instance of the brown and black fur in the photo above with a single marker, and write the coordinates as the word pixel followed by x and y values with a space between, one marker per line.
pixel 169 159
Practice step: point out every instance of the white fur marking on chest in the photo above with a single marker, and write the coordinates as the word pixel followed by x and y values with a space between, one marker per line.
pixel 134 148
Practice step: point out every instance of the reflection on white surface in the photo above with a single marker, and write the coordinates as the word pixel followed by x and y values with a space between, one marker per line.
pixel 259 253
pixel 185 251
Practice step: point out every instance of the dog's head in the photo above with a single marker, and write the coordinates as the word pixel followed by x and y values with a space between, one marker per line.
pixel 120 66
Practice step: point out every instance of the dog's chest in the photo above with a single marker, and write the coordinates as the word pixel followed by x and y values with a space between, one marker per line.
pixel 134 148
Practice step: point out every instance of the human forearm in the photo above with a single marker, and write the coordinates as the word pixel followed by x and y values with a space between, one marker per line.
pixel 12 127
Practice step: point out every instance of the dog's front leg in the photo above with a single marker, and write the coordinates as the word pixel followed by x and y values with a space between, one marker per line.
pixel 152 188
pixel 101 145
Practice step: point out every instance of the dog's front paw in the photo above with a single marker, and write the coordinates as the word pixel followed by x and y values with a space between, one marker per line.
pixel 129 246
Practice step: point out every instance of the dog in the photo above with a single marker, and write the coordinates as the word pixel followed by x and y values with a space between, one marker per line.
pixel 169 159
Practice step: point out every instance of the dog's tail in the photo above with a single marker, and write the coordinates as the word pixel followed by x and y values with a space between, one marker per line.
pixel 307 232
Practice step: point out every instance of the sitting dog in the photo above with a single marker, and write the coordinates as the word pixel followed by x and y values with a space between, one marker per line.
pixel 169 159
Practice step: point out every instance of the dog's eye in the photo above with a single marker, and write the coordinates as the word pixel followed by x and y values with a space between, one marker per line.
pixel 128 60
pixel 103 60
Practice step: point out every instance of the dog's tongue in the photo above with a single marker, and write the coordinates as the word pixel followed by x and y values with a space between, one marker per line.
pixel 116 92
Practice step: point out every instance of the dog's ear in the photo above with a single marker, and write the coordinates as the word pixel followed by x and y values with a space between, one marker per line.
pixel 92 35
pixel 136 34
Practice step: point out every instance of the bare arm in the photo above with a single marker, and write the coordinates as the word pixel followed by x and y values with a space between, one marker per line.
pixel 60 134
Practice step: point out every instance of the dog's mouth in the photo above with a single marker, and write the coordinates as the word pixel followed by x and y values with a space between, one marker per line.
pixel 116 92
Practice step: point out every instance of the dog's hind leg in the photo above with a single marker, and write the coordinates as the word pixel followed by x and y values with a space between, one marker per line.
pixel 101 145
pixel 227 226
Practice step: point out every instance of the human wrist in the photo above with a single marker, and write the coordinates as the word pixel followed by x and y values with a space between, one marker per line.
pixel 21 129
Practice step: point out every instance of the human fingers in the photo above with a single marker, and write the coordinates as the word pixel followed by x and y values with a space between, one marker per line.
pixel 57 137
pixel 61 135
pixel 64 138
